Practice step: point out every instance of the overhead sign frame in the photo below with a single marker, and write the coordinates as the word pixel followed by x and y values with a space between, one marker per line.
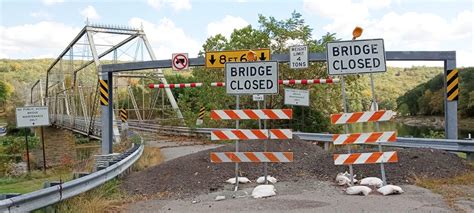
pixel 179 61
pixel 299 57
pixel 32 116
pixel 264 76
pixel 296 97
pixel 217 59
pixel 356 57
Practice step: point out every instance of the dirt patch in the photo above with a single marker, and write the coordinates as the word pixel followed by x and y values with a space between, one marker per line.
pixel 194 174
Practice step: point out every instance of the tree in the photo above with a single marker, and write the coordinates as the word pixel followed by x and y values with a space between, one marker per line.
pixel 5 91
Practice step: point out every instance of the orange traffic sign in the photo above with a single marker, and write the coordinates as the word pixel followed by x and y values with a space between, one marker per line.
pixel 217 59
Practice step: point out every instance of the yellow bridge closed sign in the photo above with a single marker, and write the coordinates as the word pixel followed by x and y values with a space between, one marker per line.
pixel 217 59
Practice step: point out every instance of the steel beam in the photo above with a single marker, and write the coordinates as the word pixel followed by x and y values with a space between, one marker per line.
pixel 283 58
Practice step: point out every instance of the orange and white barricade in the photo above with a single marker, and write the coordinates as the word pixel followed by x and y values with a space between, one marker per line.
pixel 365 158
pixel 251 157
pixel 251 134
pixel 251 114
pixel 359 117
pixel 362 138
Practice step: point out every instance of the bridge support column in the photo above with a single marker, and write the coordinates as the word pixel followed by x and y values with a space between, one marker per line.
pixel 107 116
pixel 450 107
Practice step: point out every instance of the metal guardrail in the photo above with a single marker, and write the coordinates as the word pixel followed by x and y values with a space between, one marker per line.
pixel 45 197
pixel 466 146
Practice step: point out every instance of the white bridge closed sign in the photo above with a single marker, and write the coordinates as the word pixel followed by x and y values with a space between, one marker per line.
pixel 32 116
pixel 357 56
pixel 251 77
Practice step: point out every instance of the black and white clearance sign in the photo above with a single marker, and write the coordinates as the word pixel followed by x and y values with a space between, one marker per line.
pixel 251 77
pixel 357 56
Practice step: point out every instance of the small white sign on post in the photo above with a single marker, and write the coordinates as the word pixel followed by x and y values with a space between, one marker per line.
pixel 251 77
pixel 257 97
pixel 32 116
pixel 356 56
pixel 299 57
pixel 296 97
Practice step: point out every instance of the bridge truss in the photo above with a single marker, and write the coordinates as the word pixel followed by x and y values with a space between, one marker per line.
pixel 71 85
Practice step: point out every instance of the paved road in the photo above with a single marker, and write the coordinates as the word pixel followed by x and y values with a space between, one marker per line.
pixel 302 196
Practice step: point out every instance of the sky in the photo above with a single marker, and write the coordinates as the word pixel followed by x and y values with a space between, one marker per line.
pixel 43 28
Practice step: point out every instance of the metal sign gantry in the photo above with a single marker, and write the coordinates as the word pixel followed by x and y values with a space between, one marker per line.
pixel 448 57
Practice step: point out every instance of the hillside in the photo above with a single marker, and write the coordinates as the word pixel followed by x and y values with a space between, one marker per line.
pixel 427 98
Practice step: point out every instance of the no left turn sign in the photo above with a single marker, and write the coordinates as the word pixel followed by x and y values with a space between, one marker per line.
pixel 180 61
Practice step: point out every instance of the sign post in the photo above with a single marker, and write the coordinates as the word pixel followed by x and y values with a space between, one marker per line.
pixel 33 116
pixel 250 78
pixel 356 57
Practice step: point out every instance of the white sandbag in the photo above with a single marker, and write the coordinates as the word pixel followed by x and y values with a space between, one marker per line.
pixel 241 180
pixel 270 179
pixel 358 190
pixel 390 189
pixel 344 179
pixel 262 191
pixel 372 181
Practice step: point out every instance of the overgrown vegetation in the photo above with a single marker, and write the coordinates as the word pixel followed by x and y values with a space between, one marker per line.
pixel 105 198
pixel 451 188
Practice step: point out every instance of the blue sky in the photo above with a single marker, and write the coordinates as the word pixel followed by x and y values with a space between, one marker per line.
pixel 43 28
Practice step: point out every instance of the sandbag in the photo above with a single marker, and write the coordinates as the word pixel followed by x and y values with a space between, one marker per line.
pixel 262 191
pixel 358 190
pixel 344 179
pixel 390 189
pixel 270 179
pixel 241 180
pixel 372 181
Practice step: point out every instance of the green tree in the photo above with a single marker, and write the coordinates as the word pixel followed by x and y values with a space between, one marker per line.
pixel 6 91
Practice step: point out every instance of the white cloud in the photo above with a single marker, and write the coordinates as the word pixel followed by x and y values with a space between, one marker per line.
pixel 175 40
pixel 90 13
pixel 30 40
pixel 51 2
pixel 226 26
pixel 40 15
pixel 401 31
pixel 3 55
pixel 177 5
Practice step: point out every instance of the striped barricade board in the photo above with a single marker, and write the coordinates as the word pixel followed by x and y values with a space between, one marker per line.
pixel 252 114
pixel 365 158
pixel 251 134
pixel 364 138
pixel 359 117
pixel 251 157
pixel 171 86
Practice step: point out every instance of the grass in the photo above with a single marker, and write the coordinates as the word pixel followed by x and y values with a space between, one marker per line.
pixel 151 157
pixel 106 198
pixel 33 181
pixel 451 188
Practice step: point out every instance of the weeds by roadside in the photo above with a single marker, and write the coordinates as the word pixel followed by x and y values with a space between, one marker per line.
pixel 451 188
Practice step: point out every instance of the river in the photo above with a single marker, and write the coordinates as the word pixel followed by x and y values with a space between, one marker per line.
pixel 404 130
